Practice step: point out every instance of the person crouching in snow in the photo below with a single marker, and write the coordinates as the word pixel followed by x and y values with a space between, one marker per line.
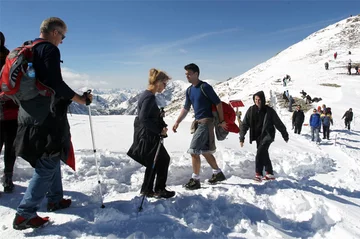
pixel 262 120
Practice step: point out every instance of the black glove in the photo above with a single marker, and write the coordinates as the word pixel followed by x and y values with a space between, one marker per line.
pixel 88 101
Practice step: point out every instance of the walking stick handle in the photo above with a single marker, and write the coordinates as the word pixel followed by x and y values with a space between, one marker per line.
pixel 88 101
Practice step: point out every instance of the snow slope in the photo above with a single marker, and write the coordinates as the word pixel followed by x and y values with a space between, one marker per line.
pixel 316 194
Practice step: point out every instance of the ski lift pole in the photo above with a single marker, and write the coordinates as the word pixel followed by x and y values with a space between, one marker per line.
pixel 94 148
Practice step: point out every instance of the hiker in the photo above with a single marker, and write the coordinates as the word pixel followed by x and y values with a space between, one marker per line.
pixel 303 94
pixel 320 52
pixel 43 135
pixel 356 69
pixel 8 127
pixel 316 99
pixel 203 141
pixel 315 124
pixel 298 119
pixel 326 120
pixel 323 108
pixel 291 102
pixel 308 99
pixel 286 79
pixel 285 96
pixel 349 52
pixel 262 121
pixel 149 126
pixel 335 55
pixel 348 118
pixel 349 67
pixel 326 66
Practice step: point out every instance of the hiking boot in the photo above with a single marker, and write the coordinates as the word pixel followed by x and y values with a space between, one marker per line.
pixel 21 223
pixel 217 178
pixel 193 184
pixel 148 194
pixel 163 193
pixel 8 183
pixel 64 203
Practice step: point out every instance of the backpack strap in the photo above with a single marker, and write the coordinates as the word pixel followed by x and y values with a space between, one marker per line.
pixel 201 88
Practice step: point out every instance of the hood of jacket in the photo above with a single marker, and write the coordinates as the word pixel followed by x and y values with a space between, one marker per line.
pixel 261 95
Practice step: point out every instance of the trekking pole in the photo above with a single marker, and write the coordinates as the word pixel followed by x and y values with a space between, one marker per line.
pixel 335 139
pixel 152 171
pixel 94 148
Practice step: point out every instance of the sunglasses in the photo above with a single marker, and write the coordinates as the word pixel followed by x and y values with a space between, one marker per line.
pixel 62 35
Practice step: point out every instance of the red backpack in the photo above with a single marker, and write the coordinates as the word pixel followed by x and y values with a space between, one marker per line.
pixel 15 84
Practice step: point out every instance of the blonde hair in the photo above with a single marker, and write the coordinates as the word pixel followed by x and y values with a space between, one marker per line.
pixel 52 23
pixel 156 75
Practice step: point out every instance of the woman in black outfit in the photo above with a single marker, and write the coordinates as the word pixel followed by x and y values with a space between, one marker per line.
pixel 149 126
pixel 8 126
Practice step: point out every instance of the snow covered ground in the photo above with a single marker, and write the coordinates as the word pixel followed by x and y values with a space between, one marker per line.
pixel 316 194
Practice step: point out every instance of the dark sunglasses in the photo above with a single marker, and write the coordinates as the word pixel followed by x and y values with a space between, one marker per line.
pixel 62 35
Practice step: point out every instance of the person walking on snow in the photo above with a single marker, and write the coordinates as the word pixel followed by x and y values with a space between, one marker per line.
pixel 203 141
pixel 326 120
pixel 43 137
pixel 315 124
pixel 149 126
pixel 298 119
pixel 8 127
pixel 348 118
pixel 262 120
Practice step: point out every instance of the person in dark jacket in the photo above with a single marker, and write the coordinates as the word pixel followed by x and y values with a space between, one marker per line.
pixel 326 120
pixel 43 135
pixel 291 102
pixel 262 120
pixel 315 124
pixel 149 126
pixel 298 119
pixel 3 50
pixel 348 118
pixel 326 66
pixel 303 94
pixel 8 127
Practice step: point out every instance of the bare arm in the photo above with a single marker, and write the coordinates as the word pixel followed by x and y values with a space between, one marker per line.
pixel 182 116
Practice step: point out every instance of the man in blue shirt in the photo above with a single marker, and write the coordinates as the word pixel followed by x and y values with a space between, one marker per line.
pixel 315 124
pixel 201 96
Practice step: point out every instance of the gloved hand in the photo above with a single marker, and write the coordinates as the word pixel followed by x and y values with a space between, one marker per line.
pixel 88 97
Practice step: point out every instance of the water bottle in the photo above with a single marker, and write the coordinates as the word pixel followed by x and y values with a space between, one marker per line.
pixel 30 71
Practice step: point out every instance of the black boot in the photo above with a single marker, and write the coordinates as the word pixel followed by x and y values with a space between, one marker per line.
pixel 8 183
pixel 163 193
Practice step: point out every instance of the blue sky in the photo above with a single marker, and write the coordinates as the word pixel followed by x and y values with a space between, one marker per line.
pixel 117 42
